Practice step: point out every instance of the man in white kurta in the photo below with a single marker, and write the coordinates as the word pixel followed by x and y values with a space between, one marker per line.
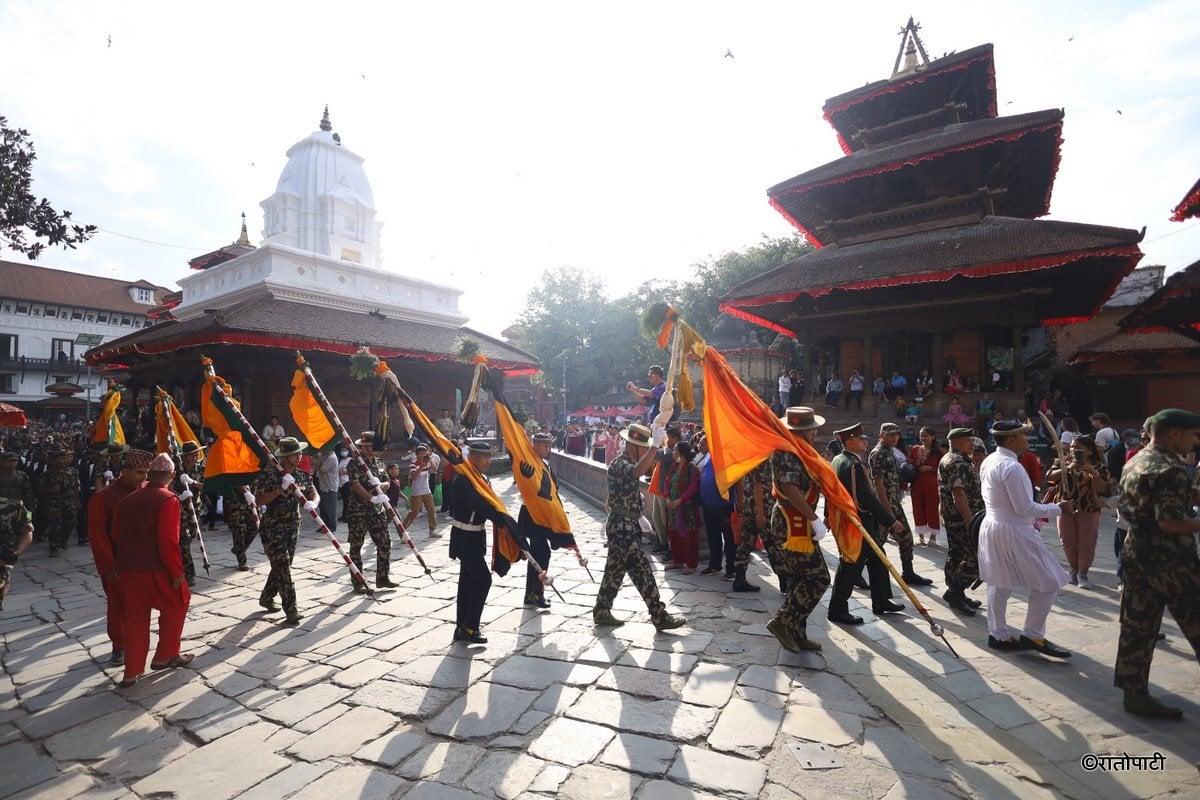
pixel 1011 552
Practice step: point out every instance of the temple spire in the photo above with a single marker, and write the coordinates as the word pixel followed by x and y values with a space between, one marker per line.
pixel 326 125
pixel 910 47
pixel 244 238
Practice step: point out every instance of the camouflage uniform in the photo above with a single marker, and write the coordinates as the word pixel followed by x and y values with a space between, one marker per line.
pixel 189 522
pixel 367 518
pixel 242 522
pixel 59 489
pixel 804 574
pixel 882 466
pixel 751 532
pixel 16 485
pixel 1161 570
pixel 14 521
pixel 280 529
pixel 624 541
pixel 962 558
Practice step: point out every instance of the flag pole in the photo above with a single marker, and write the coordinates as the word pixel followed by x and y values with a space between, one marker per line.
pixel 294 488
pixel 184 478
pixel 311 380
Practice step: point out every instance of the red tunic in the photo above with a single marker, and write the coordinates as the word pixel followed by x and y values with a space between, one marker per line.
pixel 101 508
pixel 146 532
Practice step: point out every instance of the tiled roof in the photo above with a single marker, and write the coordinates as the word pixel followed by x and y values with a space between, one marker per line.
pixel 1189 206
pixel 950 137
pixel 273 322
pixel 935 67
pixel 1176 302
pixel 61 287
pixel 1134 342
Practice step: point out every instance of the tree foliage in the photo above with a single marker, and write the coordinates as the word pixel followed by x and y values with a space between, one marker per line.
pixel 25 220
pixel 569 317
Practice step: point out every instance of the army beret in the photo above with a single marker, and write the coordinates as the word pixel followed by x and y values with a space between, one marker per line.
pixel 1175 418
pixel 960 433
pixel 8 455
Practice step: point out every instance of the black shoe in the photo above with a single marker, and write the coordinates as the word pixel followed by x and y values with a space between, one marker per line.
pixel 709 571
pixel 845 618
pixel 959 603
pixel 469 635
pixel 974 602
pixel 888 607
pixel 913 579
pixel 242 565
pixel 1004 644
pixel 745 586
pixel 1046 647
pixel 386 584
pixel 538 602
pixel 861 583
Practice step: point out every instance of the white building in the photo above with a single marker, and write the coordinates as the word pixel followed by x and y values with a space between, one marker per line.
pixel 44 312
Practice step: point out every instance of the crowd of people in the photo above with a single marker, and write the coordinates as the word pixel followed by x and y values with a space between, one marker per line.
pixel 140 511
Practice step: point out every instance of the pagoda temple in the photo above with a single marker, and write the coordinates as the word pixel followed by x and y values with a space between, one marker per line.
pixel 930 251
pixel 314 285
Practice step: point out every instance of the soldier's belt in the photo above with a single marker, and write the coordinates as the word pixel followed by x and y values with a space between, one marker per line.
pixel 474 527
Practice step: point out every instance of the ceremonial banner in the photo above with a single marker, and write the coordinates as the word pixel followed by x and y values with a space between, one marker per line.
pixel 742 432
pixel 310 415
pixel 108 427
pixel 539 490
pixel 169 424
pixel 236 457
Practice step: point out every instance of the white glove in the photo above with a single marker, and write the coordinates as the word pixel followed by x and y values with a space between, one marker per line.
pixel 818 530
pixel 108 476
pixel 246 493
pixel 374 482
pixel 311 505
pixel 185 479
pixel 286 482
pixel 644 524
pixel 378 499
pixel 186 494
pixel 658 435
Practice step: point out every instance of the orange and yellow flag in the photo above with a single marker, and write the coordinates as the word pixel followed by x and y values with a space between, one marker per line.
pixel 170 424
pixel 108 426
pixel 310 415
pixel 236 457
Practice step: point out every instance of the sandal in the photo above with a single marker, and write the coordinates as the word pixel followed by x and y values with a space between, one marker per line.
pixel 177 661
pixel 127 684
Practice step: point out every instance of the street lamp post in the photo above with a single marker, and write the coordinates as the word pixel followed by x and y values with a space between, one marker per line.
pixel 88 340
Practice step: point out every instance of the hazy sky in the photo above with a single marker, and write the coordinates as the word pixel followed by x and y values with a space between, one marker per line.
pixel 506 138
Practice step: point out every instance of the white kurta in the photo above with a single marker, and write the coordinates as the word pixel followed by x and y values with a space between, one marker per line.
pixel 1011 552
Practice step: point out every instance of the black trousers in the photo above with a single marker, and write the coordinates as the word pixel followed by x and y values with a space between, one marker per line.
pixel 539 548
pixel 474 578
pixel 847 574
pixel 719 529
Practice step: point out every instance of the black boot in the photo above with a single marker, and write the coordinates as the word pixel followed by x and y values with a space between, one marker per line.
pixel 740 584
pixel 912 578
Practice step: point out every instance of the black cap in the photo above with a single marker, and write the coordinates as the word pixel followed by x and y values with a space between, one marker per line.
pixel 480 447
pixel 855 431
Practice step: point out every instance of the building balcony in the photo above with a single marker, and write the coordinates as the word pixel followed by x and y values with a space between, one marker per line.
pixel 57 366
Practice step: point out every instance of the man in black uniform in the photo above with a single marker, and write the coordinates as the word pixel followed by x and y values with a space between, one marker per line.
pixel 468 544
pixel 539 537
pixel 877 520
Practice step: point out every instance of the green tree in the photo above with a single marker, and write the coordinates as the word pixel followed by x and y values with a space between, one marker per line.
pixel 25 220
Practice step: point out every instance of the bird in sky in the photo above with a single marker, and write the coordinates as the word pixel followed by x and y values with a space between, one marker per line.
pixel 728 53
pixel 110 40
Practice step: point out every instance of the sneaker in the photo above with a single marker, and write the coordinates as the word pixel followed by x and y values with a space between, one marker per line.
pixel 1142 704
pixel 269 605
pixel 605 617
pixel 728 576
pixel 1084 583
pixel 242 565
pixel 669 621
pixel 293 617
pixel 435 534
pixel 708 571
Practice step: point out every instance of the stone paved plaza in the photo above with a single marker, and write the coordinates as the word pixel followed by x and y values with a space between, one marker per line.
pixel 371 699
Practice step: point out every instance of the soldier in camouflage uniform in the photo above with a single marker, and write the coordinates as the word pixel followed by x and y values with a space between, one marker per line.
pixel 886 474
pixel 367 513
pixel 280 526
pixel 59 490
pixel 1162 568
pixel 755 504
pixel 960 497
pixel 190 507
pixel 804 574
pixel 14 483
pixel 16 533
pixel 624 506
pixel 242 519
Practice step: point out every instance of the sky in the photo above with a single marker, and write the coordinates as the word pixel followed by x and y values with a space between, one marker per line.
pixel 506 139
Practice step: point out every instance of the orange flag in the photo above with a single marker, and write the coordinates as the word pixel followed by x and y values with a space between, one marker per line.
pixel 236 457
pixel 170 425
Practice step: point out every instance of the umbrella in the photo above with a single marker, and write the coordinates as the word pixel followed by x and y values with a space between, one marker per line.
pixel 11 416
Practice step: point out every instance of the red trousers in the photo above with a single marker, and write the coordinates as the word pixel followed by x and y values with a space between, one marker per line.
pixel 925 501
pixel 144 591
pixel 685 546
pixel 116 611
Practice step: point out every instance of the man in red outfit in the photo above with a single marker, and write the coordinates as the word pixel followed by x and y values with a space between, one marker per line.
pixel 150 566
pixel 101 507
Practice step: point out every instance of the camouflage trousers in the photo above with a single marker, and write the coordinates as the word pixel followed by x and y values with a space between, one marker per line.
pixel 1146 591
pixel 186 534
pixel 242 527
pixel 805 576
pixel 750 536
pixel 625 555
pixel 377 529
pixel 280 545
pixel 60 524
pixel 962 559
pixel 5 581
pixel 904 539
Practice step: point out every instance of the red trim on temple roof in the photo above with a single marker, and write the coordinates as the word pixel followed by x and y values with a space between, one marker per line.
pixel 283 342
pixel 1189 207
pixel 892 88
pixel 803 230
pixel 984 270
pixel 935 154
pixel 1065 320
pixel 766 323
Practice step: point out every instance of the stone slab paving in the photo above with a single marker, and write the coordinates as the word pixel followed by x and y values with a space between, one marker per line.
pixel 372 699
